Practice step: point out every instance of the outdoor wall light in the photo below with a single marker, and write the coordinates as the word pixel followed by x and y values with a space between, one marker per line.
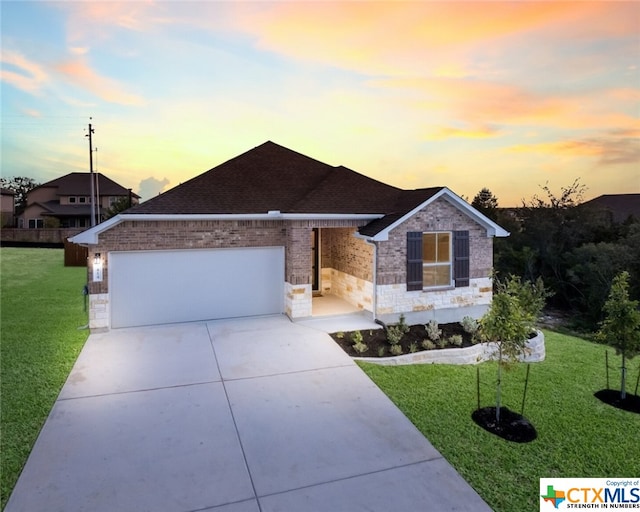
pixel 97 268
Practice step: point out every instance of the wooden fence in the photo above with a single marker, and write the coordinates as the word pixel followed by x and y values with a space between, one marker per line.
pixel 75 255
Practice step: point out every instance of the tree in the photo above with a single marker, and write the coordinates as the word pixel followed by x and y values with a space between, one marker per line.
pixel 621 326
pixel 20 185
pixel 485 202
pixel 508 325
pixel 118 206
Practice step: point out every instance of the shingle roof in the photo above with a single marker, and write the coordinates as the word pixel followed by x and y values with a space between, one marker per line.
pixel 272 177
pixel 621 205
pixel 79 183
pixel 66 210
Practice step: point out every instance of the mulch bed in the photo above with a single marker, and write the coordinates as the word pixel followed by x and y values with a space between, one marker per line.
pixel 376 340
pixel 512 427
pixel 612 397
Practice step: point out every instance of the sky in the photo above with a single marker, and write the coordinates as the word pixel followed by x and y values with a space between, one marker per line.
pixel 508 96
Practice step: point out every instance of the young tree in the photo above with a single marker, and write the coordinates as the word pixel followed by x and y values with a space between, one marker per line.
pixel 508 325
pixel 621 326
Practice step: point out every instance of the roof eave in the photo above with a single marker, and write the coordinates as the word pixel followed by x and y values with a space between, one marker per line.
pixel 491 227
pixel 90 236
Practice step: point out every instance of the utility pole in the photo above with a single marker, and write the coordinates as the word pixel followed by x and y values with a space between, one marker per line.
pixel 93 191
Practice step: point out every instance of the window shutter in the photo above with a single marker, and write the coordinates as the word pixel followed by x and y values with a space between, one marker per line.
pixel 461 258
pixel 414 260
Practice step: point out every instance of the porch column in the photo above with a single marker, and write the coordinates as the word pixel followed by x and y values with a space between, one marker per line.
pixel 298 294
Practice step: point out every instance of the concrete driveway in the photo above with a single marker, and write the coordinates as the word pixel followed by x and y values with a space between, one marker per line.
pixel 247 415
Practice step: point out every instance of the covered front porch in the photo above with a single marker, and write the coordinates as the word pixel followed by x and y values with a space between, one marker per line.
pixel 336 273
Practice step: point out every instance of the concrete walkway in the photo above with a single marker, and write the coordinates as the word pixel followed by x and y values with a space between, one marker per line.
pixel 247 415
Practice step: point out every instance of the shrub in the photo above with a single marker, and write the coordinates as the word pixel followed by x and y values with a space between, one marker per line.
pixel 456 340
pixel 413 347
pixel 356 337
pixel 469 325
pixel 339 335
pixel 402 325
pixel 442 343
pixel 381 350
pixel 427 344
pixel 394 335
pixel 432 330
pixel 360 348
pixel 396 350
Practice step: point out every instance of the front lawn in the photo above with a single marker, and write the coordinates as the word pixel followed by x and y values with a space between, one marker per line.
pixel 578 435
pixel 42 308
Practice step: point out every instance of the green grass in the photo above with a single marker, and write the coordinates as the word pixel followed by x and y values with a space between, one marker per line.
pixel 42 308
pixel 578 436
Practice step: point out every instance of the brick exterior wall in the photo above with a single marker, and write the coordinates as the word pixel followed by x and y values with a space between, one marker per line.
pixel 295 236
pixel 349 254
pixel 159 235
pixel 450 305
pixel 346 261
pixel 438 216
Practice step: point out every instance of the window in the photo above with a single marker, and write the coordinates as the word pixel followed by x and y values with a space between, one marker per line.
pixel 36 223
pixel 72 200
pixel 436 259
pixel 82 199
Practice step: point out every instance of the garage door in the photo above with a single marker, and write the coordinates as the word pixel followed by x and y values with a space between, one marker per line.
pixel 160 287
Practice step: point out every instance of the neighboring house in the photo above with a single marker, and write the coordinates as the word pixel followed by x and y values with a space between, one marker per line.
pixel 267 230
pixel 620 207
pixel 66 202
pixel 7 207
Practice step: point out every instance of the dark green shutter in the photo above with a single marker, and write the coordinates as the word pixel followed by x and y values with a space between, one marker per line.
pixel 414 260
pixel 461 258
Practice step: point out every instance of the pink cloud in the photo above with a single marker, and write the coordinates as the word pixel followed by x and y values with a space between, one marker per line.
pixel 26 75
pixel 79 73
pixel 413 37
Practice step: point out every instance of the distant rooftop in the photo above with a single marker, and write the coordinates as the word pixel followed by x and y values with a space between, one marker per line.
pixel 622 206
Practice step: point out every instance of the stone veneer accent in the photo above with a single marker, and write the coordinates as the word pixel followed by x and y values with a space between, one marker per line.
pixel 298 300
pixel 325 280
pixel 99 314
pixel 354 290
pixel 422 306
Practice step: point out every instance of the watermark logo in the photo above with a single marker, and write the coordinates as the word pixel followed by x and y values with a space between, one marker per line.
pixel 589 493
pixel 554 497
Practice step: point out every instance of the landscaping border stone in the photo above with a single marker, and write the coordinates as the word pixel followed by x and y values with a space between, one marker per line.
pixel 468 355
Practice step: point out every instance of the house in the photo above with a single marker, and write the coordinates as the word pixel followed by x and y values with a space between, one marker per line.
pixel 66 202
pixel 7 207
pixel 620 207
pixel 266 231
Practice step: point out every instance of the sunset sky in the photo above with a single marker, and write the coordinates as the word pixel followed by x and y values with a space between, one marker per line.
pixel 508 96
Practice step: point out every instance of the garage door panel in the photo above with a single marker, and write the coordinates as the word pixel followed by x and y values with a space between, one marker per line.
pixel 155 287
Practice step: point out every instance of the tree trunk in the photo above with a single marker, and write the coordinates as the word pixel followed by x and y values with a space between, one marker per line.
pixel 623 391
pixel 499 386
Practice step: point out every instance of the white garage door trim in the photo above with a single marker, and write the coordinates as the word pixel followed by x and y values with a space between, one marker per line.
pixel 170 286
